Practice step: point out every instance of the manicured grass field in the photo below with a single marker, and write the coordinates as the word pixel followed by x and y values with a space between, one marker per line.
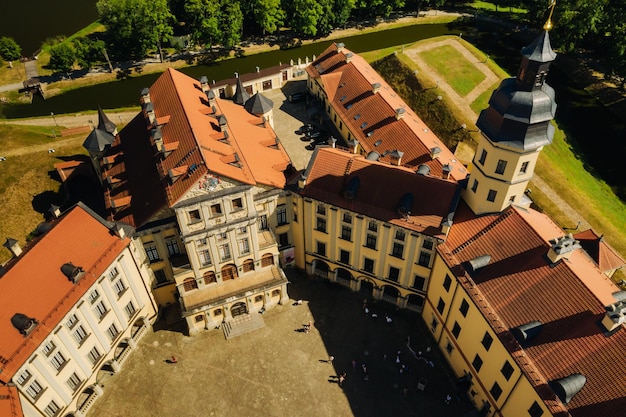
pixel 461 74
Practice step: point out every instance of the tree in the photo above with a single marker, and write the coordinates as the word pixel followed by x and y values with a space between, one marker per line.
pixel 268 15
pixel 62 57
pixel 231 23
pixel 136 26
pixel 88 51
pixel 305 17
pixel 343 9
pixel 9 49
pixel 203 20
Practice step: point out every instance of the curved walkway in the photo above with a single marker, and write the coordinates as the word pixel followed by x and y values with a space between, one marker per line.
pixel 463 104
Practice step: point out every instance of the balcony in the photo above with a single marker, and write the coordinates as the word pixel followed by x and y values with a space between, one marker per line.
pixel 180 263
pixel 266 239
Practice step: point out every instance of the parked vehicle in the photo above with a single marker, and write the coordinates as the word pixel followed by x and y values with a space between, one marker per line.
pixel 316 134
pixel 305 128
pixel 297 97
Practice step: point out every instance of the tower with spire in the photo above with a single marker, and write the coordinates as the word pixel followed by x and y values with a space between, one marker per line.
pixel 515 128
pixel 100 140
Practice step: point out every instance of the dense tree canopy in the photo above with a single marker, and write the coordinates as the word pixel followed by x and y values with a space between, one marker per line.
pixel 62 57
pixel 9 49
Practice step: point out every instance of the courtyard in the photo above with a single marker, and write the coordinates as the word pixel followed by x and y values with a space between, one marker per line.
pixel 281 370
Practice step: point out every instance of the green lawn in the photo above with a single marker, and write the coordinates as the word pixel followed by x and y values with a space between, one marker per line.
pixel 14 136
pixel 482 101
pixel 491 7
pixel 461 74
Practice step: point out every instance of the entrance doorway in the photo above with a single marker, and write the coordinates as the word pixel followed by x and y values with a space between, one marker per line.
pixel 238 309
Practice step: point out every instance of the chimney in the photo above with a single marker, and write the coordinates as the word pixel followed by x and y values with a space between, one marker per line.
pixel 148 110
pixel 446 225
pixel 73 273
pixel 400 113
pixel 157 137
pixel 615 316
pixel 119 231
pixel 445 171
pixel 423 169
pixel 349 57
pixel 55 211
pixel 376 88
pixel 332 141
pixel 562 247
pixel 223 123
pixel 204 83
pixel 396 157
pixel 340 46
pixel 12 245
pixel 434 152
pixel 210 95
pixel 145 96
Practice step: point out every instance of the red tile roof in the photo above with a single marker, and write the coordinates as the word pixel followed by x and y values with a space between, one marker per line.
pixel 519 285
pixel 10 405
pixel 371 116
pixel 600 251
pixel 381 188
pixel 35 286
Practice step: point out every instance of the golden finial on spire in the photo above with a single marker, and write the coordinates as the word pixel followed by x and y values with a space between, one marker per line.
pixel 551 6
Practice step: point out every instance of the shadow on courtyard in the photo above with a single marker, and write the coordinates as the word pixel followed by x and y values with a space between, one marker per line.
pixel 387 386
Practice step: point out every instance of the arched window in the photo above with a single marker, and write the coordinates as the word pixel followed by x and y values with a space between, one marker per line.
pixel 267 260
pixel 209 277
pixel 190 284
pixel 248 265
pixel 229 272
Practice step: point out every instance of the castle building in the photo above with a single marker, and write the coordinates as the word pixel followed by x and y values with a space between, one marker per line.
pixel 202 179
pixel 74 306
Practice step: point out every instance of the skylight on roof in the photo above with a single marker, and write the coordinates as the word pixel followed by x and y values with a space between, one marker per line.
pixel 363 125
pixel 349 106
pixel 371 132
pixel 378 142
pixel 343 98
pixel 357 116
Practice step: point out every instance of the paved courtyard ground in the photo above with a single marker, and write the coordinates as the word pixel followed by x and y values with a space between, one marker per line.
pixel 281 371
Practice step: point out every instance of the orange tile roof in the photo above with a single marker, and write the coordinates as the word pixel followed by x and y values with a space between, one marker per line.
pixel 203 147
pixel 381 188
pixel 600 251
pixel 519 286
pixel 371 116
pixel 35 286
pixel 10 405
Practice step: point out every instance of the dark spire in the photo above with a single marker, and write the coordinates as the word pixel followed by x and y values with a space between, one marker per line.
pixel 258 104
pixel 241 95
pixel 98 141
pixel 521 109
pixel 104 123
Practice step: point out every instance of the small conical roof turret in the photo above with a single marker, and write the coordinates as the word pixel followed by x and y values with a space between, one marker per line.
pixel 104 123
pixel 241 95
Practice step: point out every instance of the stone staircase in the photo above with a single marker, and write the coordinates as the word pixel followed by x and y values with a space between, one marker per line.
pixel 242 324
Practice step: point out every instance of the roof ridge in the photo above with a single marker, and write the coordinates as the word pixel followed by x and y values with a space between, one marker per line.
pixel 483 231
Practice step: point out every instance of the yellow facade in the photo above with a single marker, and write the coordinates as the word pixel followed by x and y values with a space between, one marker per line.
pixel 473 350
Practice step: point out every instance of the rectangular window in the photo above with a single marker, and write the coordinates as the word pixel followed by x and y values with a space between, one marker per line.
pixel 347 218
pixel 400 235
pixel 205 257
pixel 456 330
pixel 501 167
pixel 477 363
pixel 398 250
pixel 512 199
pixel 152 253
pixel 321 249
pixel 424 259
pixel 74 381
pixel 160 276
pixel 419 283
pixel 119 287
pixel 71 321
pixel 281 215
pixel 428 244
pixel 394 274
pixel 23 377
pixel 130 309
pixel 93 296
pixel 94 355
pixel 449 348
pixel 447 282
pixel 368 265
pixel 194 216
pixel 244 246
pixel 52 409
pixel 321 210
pixel 112 331
pixel 464 308
pixel 507 370
pixel 237 204
pixel 33 390
pixel 372 226
pixel 242 230
pixel 48 348
pixel 535 410
pixel 58 360
pixel 172 247
pixel 216 210
pixel 321 225
pixel 433 325
pixel 80 335
pixel 370 241
pixel 101 310
pixel 283 239
pixel 224 251
pixel 523 168
pixel 483 157
pixel 441 305
pixel 344 257
pixel 113 273
pixel 222 236
pixel 492 195
pixel 487 340
pixel 346 233
pixel 263 222
pixel 475 186
pixel 495 391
